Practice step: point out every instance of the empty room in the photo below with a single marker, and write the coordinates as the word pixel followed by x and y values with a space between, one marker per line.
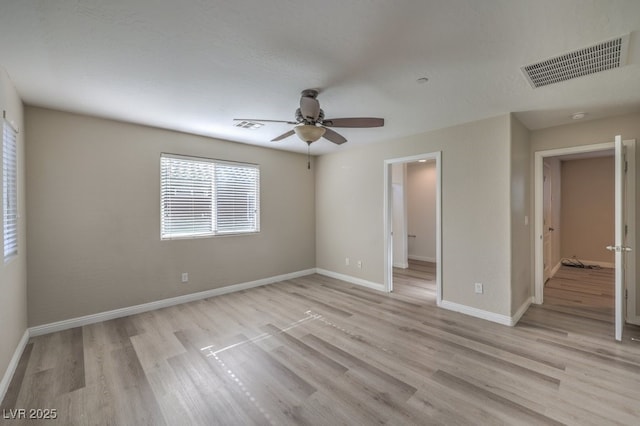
pixel 248 212
pixel 579 225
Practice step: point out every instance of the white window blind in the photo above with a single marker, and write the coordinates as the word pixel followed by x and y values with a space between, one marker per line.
pixel 202 197
pixel 236 200
pixel 9 191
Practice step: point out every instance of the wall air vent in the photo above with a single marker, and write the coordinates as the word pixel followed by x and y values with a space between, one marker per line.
pixel 600 57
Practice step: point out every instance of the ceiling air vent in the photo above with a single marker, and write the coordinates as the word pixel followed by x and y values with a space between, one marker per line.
pixel 590 60
pixel 244 124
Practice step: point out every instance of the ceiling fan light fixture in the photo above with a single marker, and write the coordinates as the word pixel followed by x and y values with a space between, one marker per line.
pixel 308 132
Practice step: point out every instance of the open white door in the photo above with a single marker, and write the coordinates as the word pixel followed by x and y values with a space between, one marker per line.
pixel 399 215
pixel 619 248
pixel 547 223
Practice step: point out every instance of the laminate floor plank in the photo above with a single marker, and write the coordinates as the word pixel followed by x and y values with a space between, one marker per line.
pixel 442 409
pixel 341 394
pixel 475 412
pixel 171 394
pixel 405 362
pixel 11 399
pixel 600 403
pixel 501 406
pixel 417 282
pixel 305 350
pixel 582 291
pixel 209 394
pixel 318 351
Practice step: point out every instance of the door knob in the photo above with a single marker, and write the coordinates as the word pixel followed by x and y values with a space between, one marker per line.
pixel 618 248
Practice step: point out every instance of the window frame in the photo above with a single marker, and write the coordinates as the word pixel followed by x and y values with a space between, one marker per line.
pixel 211 208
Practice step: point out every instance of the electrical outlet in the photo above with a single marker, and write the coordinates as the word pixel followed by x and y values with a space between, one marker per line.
pixel 478 288
pixel 185 277
pixel 346 261
pixel 359 263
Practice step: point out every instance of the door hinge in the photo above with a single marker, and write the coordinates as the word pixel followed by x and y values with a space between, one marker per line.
pixel 626 166
pixel 626 229
pixel 626 294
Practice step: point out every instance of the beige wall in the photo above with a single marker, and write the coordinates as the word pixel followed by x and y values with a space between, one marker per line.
pixel 475 211
pixel 13 274
pixel 521 220
pixel 94 233
pixel 587 214
pixel 93 192
pixel 591 132
pixel 421 210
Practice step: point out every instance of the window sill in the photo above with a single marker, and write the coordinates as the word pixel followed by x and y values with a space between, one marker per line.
pixel 11 258
pixel 198 237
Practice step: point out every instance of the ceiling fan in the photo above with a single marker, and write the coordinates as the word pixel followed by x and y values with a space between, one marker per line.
pixel 311 124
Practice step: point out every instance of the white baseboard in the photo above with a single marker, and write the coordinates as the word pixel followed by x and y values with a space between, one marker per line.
pixel 423 258
pixel 13 364
pixel 350 279
pixel 145 307
pixel 521 310
pixel 468 310
pixel 475 312
pixel 487 315
pixel 555 269
pixel 401 265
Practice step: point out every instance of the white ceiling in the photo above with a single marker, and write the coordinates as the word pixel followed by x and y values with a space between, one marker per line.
pixel 194 65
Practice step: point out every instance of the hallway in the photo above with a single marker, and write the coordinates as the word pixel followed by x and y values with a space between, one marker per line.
pixel 418 281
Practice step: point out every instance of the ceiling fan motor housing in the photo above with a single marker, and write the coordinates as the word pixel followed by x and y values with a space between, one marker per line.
pixel 309 93
pixel 301 119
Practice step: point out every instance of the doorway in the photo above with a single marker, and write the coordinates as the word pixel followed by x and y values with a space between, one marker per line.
pixel 417 264
pixel 548 260
pixel 578 224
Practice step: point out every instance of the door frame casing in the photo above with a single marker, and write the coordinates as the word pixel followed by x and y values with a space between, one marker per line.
pixel 539 157
pixel 630 194
pixel 387 217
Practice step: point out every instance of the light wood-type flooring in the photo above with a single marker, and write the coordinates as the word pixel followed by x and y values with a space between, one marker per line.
pixel 315 350
pixel 418 281
pixel 584 292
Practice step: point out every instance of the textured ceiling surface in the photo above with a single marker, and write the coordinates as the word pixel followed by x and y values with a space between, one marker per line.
pixel 194 65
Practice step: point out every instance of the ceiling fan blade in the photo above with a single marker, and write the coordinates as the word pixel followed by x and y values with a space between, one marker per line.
pixel 334 136
pixel 310 108
pixel 264 121
pixel 354 122
pixel 283 136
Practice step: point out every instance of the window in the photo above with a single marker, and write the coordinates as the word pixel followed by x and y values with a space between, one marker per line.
pixel 9 191
pixel 204 197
